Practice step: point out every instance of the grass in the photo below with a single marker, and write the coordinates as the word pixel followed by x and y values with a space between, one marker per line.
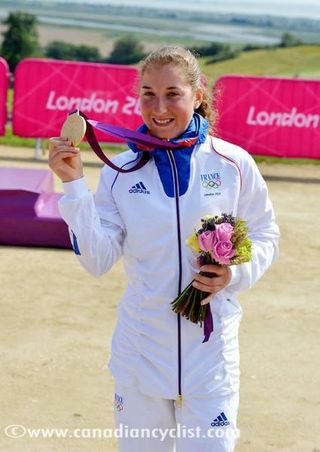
pixel 12 140
pixel 300 61
pixel 286 161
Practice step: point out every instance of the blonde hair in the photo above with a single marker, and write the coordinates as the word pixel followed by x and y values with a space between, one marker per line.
pixel 186 60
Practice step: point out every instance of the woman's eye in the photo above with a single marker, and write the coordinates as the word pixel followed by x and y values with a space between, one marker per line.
pixel 148 93
pixel 172 94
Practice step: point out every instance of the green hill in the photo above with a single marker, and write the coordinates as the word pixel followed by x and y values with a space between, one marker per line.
pixel 301 61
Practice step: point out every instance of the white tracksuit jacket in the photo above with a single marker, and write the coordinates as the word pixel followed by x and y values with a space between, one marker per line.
pixel 132 217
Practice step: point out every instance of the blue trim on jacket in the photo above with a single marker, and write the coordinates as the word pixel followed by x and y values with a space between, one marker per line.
pixel 75 245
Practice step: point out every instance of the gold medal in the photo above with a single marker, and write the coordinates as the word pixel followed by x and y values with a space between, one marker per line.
pixel 74 128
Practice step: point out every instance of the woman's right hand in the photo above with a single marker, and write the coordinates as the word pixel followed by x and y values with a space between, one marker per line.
pixel 64 159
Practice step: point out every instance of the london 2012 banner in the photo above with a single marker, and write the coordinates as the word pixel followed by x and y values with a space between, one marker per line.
pixel 269 115
pixel 45 91
pixel 4 84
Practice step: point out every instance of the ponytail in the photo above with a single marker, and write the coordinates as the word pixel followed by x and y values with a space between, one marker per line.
pixel 205 109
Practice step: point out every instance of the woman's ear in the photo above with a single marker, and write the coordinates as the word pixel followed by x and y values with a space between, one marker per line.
pixel 198 98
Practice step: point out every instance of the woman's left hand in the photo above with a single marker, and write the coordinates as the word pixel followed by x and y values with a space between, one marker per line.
pixel 221 278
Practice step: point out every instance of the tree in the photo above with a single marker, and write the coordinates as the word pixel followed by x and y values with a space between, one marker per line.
pixel 289 40
pixel 214 48
pixel 87 53
pixel 61 50
pixel 20 40
pixel 226 54
pixel 127 50
pixel 218 52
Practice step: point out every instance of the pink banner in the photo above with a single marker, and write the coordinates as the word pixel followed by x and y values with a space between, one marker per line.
pixel 4 84
pixel 46 90
pixel 270 116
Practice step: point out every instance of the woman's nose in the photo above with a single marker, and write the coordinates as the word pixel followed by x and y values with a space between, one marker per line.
pixel 160 105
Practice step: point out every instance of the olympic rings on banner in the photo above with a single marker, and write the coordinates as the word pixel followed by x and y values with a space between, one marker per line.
pixel 211 183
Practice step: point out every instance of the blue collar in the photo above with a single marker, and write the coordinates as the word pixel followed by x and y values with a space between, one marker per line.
pixel 198 127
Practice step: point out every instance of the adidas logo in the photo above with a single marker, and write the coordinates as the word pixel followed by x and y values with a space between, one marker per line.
pixel 139 188
pixel 220 421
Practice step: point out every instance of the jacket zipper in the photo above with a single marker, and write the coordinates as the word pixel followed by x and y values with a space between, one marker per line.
pixel 176 195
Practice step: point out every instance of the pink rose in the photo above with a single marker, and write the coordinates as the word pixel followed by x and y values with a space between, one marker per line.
pixel 224 231
pixel 207 240
pixel 223 252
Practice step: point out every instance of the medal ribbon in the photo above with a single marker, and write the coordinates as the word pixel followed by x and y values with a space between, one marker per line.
pixel 144 142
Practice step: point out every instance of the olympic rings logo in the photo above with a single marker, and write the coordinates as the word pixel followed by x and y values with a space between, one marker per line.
pixel 211 184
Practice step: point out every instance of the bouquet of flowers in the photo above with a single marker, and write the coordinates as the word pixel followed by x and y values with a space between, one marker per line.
pixel 221 240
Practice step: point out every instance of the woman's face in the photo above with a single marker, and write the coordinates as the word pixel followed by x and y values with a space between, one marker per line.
pixel 167 100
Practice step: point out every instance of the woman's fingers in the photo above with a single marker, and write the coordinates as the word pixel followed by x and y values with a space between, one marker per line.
pixel 214 280
pixel 62 153
pixel 60 144
pixel 205 281
pixel 64 159
pixel 207 300
pixel 220 279
pixel 61 156
pixel 207 285
pixel 57 141
pixel 213 268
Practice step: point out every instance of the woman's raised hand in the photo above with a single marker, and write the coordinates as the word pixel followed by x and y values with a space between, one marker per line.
pixel 64 159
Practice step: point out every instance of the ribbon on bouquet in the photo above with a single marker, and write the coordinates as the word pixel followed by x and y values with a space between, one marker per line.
pixel 208 320
pixel 207 324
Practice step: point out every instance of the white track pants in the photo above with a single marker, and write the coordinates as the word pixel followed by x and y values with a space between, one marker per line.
pixel 151 424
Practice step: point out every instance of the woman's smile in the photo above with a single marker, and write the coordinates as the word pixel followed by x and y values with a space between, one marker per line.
pixel 162 122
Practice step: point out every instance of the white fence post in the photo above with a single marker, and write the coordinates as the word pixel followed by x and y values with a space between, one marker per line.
pixel 37 149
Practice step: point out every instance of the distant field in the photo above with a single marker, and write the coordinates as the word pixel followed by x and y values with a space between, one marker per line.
pixel 300 61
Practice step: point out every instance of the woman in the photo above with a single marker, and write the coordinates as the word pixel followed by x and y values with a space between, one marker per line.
pixel 158 358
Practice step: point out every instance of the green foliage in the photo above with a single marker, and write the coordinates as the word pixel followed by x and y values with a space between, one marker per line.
pixel 241 242
pixel 250 47
pixel 244 252
pixel 14 141
pixel 289 40
pixel 20 40
pixel 226 54
pixel 127 50
pixel 87 53
pixel 216 50
pixel 61 50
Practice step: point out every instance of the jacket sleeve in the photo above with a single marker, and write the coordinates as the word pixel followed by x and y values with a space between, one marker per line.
pixel 254 206
pixel 95 226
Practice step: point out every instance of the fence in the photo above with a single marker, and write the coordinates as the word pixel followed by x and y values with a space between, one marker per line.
pixel 265 115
